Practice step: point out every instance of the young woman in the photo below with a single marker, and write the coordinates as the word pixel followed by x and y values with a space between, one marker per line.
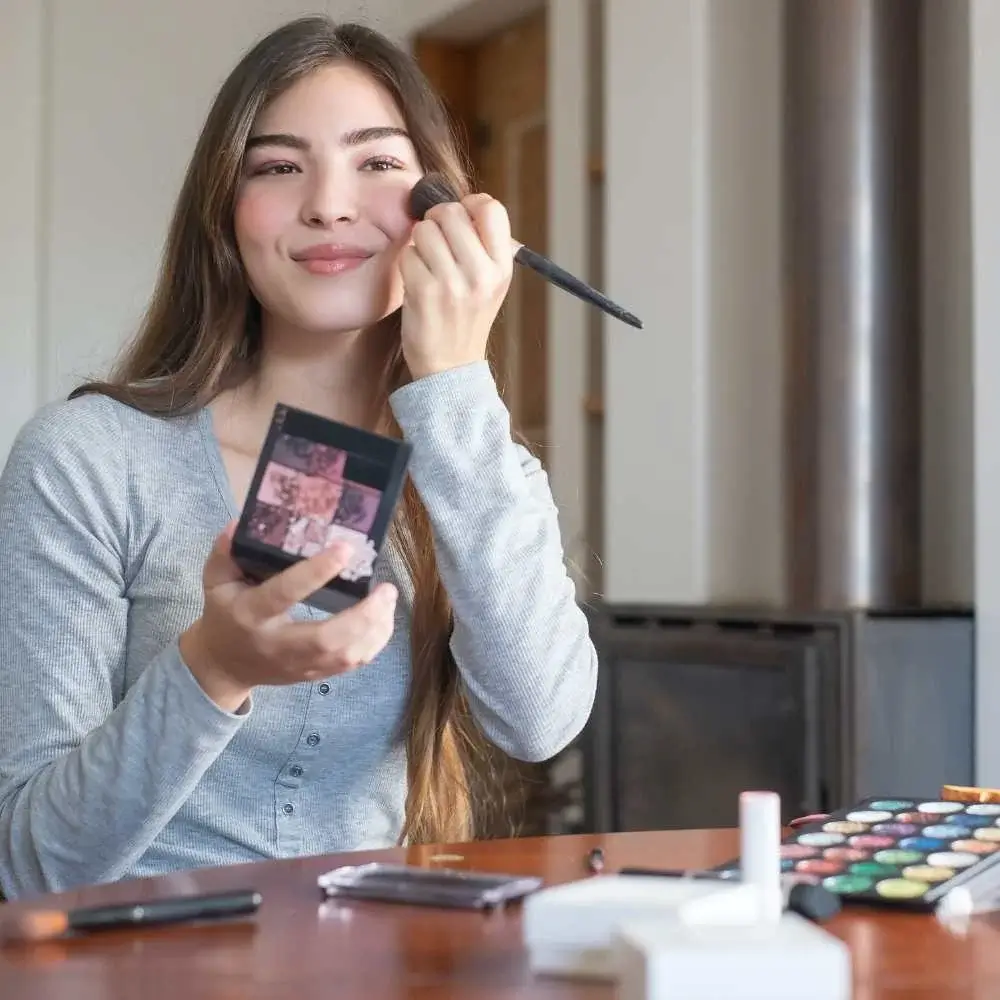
pixel 158 712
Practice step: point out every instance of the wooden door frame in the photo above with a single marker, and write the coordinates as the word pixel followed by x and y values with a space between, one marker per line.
pixel 571 155
pixel 443 49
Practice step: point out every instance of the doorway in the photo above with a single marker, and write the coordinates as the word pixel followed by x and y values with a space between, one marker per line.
pixel 495 87
pixel 494 83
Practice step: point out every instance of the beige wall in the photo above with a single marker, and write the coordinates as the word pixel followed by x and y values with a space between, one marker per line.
pixel 22 112
pixel 656 517
pixel 743 302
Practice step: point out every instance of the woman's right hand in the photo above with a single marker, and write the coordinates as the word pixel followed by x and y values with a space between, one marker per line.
pixel 245 636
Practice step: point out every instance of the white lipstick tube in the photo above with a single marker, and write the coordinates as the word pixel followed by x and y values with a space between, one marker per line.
pixel 760 849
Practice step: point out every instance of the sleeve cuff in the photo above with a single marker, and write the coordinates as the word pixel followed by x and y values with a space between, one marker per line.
pixel 201 708
pixel 445 397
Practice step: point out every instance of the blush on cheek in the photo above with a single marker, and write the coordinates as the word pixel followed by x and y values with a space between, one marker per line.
pixel 386 205
pixel 257 219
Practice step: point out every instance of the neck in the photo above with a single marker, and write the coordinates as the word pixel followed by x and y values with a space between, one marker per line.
pixel 335 375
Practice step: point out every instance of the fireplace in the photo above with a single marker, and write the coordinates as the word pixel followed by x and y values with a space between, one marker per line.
pixel 696 705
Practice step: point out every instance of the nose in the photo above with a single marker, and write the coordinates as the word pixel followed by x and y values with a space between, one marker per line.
pixel 330 198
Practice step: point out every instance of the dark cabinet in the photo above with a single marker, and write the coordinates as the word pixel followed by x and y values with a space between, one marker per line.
pixel 696 705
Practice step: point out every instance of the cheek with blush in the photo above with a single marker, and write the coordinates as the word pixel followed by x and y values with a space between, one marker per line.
pixel 386 204
pixel 256 220
pixel 393 277
pixel 387 207
pixel 395 222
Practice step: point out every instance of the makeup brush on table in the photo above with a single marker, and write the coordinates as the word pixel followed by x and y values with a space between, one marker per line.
pixel 49 924
pixel 434 189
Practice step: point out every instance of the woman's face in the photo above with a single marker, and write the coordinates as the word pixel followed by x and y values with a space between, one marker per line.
pixel 321 213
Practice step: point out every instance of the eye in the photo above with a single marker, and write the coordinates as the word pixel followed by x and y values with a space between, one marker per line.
pixel 378 164
pixel 274 169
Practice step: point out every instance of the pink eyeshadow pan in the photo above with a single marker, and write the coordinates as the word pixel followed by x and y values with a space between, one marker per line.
pixel 871 842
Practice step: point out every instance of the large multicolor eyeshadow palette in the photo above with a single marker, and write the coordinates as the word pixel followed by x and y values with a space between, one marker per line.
pixel 318 482
pixel 894 852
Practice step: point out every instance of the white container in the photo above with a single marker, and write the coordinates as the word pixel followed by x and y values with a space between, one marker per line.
pixel 569 929
pixel 791 959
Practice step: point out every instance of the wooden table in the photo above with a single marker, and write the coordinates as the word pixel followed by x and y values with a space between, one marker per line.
pixel 298 948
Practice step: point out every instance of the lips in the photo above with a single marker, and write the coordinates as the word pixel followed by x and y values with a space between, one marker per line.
pixel 328 258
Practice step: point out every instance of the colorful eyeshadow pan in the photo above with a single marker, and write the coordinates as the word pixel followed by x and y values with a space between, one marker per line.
pixel 952 859
pixel 875 869
pixel 845 854
pixel 948 832
pixel 897 857
pixel 896 829
pixel 797 851
pixel 895 852
pixel 970 821
pixel 871 842
pixel 917 817
pixel 983 809
pixel 900 888
pixel 821 839
pixel 869 816
pixel 923 844
pixel 848 884
pixel 817 866
pixel 940 808
pixel 845 827
pixel 973 846
pixel 319 482
pixel 928 873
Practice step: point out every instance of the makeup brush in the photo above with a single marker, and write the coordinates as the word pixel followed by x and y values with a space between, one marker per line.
pixel 47 925
pixel 433 189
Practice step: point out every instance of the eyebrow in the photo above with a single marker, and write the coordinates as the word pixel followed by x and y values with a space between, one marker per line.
pixel 358 137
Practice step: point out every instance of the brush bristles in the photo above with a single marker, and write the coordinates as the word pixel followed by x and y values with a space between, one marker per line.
pixel 41 926
pixel 431 190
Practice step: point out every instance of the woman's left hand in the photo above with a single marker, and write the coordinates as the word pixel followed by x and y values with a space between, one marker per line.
pixel 456 273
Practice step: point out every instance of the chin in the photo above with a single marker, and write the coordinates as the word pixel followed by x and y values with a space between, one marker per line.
pixel 333 322
pixel 329 314
pixel 343 309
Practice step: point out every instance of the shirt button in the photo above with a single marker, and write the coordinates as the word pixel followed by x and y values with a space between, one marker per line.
pixel 295 771
pixel 324 688
pixel 288 809
pixel 312 739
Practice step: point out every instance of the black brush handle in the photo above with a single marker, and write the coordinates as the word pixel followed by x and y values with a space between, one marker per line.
pixel 178 909
pixel 561 278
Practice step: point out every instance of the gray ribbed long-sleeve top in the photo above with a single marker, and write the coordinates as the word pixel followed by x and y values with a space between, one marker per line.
pixel 113 762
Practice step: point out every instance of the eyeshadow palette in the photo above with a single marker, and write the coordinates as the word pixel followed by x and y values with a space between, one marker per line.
pixel 318 482
pixel 893 851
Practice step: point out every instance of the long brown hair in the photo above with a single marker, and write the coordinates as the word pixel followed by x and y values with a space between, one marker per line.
pixel 201 334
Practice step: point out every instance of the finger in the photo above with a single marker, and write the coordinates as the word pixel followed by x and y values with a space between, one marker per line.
pixel 432 246
pixel 463 240
pixel 380 635
pixel 470 201
pixel 220 567
pixel 284 590
pixel 493 225
pixel 346 639
pixel 371 627
pixel 413 271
